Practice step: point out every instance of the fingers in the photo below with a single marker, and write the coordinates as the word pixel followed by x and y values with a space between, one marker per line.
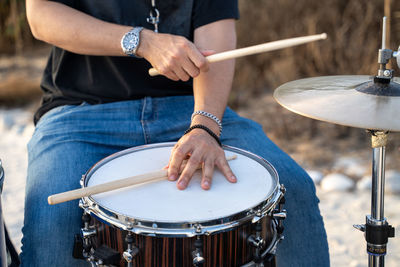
pixel 226 170
pixel 208 171
pixel 197 58
pixel 191 166
pixel 179 153
pixel 180 59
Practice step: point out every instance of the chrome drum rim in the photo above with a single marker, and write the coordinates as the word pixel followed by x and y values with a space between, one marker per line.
pixel 181 229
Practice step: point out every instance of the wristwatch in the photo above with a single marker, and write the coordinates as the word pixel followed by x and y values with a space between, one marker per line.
pixel 130 41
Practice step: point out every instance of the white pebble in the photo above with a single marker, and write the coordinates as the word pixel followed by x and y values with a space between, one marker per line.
pixel 392 182
pixel 350 166
pixel 365 183
pixel 345 162
pixel 356 169
pixel 316 176
pixel 336 182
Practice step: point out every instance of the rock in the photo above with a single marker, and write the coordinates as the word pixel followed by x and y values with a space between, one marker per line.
pixel 6 121
pixel 345 162
pixel 365 183
pixel 316 176
pixel 350 166
pixel 357 170
pixel 336 182
pixel 392 182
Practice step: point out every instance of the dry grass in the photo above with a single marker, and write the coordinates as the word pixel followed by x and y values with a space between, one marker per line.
pixel 353 28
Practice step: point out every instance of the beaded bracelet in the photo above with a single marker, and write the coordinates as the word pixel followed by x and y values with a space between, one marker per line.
pixel 210 116
pixel 200 126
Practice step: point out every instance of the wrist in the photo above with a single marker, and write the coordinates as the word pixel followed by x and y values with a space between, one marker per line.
pixel 207 130
pixel 146 37
pixel 206 122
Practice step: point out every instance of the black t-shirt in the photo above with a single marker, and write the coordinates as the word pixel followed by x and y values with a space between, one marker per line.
pixel 71 78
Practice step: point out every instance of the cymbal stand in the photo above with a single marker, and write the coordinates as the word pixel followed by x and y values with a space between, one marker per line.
pixel 377 229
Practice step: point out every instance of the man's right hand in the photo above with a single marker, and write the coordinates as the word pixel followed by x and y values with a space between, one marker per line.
pixel 173 56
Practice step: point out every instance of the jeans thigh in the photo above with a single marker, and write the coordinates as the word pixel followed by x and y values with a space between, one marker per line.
pixel 65 144
pixel 305 242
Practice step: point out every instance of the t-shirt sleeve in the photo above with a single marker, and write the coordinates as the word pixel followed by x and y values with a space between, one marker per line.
pixel 208 11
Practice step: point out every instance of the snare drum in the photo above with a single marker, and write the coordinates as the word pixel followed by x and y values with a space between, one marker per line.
pixel 156 224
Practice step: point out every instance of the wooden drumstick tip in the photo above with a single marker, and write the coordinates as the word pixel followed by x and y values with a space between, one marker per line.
pixel 324 36
pixel 153 72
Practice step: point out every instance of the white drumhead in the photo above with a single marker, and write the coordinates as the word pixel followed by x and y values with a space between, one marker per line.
pixel 163 202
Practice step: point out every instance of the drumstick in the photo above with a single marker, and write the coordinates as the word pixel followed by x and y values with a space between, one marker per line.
pixel 256 49
pixel 113 185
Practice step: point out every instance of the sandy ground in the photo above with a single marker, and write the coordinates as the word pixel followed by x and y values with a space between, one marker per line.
pixel 339 209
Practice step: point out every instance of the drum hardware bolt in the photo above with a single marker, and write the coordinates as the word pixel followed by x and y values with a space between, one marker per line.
pixel 387 73
pixel 283 189
pixel 131 250
pixel 129 225
pixel 360 227
pixel 83 204
pixel 197 254
pixel 256 241
pixel 259 213
pixel 279 215
pixel 88 232
pixel 256 218
pixel 197 228
pixel 81 180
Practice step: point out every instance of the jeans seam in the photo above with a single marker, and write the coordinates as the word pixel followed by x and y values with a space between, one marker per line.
pixel 142 122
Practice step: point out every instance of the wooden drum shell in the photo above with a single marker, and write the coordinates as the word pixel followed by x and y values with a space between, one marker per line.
pixel 228 248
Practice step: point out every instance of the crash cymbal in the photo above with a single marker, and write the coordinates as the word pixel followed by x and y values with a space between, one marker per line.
pixel 355 101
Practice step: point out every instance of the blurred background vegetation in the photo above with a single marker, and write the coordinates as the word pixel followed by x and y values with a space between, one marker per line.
pixel 354 37
pixel 353 27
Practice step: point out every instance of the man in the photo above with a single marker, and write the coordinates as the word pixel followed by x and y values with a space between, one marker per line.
pixel 97 101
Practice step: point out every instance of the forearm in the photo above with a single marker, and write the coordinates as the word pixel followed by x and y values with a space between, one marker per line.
pixel 73 30
pixel 212 88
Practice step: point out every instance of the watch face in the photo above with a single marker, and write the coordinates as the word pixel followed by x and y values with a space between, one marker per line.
pixel 130 42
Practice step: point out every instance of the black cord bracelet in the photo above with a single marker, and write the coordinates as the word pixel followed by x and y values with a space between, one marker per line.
pixel 200 126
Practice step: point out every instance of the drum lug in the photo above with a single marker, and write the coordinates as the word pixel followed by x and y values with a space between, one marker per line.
pixel 131 250
pixel 257 242
pixel 87 233
pixel 197 254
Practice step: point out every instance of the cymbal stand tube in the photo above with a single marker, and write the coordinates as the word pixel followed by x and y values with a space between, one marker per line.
pixel 377 230
pixel 378 182
pixel 377 194
pixel 384 33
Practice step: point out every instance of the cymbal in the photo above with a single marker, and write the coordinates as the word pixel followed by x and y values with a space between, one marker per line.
pixel 354 101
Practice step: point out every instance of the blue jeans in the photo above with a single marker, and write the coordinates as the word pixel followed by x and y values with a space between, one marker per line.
pixel 68 140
